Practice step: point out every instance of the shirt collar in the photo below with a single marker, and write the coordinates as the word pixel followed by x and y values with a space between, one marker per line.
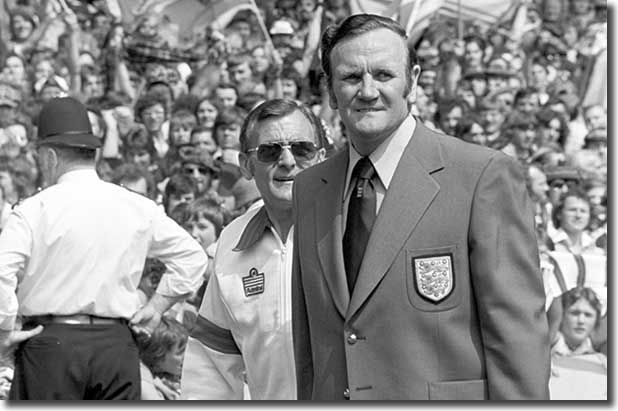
pixel 254 230
pixel 386 156
pixel 79 175
pixel 562 237
pixel 561 347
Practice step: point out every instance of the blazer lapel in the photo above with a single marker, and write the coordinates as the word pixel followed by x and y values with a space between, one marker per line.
pixel 411 191
pixel 329 233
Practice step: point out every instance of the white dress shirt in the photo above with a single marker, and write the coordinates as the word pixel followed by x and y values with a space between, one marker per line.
pixel 384 158
pixel 79 246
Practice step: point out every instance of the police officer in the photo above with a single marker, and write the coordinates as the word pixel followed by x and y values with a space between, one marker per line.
pixel 71 258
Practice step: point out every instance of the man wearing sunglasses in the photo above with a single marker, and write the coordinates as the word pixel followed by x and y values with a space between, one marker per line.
pixel 244 330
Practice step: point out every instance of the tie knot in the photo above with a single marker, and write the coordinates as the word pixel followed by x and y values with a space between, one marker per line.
pixel 363 169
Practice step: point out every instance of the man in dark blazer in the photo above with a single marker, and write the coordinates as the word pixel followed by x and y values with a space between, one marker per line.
pixel 445 300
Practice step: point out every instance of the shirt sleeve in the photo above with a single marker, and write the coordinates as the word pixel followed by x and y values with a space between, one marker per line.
pixel 213 366
pixel 184 259
pixel 15 250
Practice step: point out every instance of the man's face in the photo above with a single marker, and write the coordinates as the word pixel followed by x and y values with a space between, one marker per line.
pixel 595 117
pixel 479 86
pixel 370 86
pixel 467 95
pixel 275 179
pixel 575 215
pixel 201 174
pixel 203 230
pixel 228 136
pixel 155 72
pixel 539 77
pixel 153 118
pixel 578 322
pixel 240 73
pixel 226 97
pixel 473 55
pixel 538 184
pixel 203 140
pixel 528 104
pixel 243 28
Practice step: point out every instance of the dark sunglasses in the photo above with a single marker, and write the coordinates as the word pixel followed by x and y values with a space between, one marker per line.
pixel 270 152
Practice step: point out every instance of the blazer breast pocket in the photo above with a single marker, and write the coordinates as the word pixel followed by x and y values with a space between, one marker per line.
pixel 431 278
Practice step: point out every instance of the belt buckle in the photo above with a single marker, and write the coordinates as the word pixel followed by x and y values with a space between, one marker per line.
pixel 74 321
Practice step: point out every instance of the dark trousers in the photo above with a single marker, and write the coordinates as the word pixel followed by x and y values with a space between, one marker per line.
pixel 77 362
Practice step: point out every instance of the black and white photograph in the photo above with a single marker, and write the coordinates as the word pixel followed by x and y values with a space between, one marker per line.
pixel 314 201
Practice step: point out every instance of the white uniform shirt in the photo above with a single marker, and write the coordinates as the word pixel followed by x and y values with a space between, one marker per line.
pixel 79 246
pixel 245 324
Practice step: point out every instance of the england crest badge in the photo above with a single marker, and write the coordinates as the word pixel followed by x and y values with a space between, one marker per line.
pixel 253 283
pixel 434 276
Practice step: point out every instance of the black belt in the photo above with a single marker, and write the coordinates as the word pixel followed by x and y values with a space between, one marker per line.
pixel 75 319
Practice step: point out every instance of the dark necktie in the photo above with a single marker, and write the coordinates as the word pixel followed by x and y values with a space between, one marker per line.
pixel 361 215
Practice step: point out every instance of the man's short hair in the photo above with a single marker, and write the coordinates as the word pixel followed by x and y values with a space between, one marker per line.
pixel 278 108
pixel 177 185
pixel 356 25
pixel 74 154
pixel 228 116
pixel 148 100
pixel 238 59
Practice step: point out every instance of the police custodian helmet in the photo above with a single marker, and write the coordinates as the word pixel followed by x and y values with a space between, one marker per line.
pixel 64 121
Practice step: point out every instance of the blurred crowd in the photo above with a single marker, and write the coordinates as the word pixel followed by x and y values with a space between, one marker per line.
pixel 170 112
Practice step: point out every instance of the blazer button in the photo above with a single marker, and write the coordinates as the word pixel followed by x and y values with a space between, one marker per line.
pixel 346 393
pixel 352 339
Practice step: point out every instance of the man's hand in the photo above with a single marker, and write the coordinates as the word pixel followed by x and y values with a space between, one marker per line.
pixel 8 339
pixel 145 320
pixel 148 317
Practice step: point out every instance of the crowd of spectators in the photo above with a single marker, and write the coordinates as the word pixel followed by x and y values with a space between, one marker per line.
pixel 170 117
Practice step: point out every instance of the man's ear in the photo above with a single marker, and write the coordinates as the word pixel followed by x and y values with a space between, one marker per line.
pixel 416 72
pixel 246 165
pixel 51 156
